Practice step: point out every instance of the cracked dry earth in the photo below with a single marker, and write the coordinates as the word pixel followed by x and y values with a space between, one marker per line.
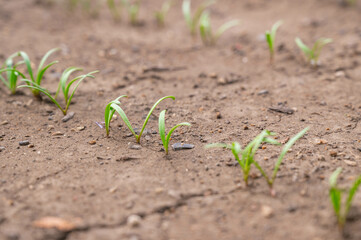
pixel 106 189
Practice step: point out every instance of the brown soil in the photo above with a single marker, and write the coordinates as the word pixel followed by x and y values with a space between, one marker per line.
pixel 198 193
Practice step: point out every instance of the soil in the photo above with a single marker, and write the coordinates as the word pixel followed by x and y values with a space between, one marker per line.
pixel 72 171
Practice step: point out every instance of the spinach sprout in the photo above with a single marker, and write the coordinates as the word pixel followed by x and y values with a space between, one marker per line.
pixel 313 54
pixel 193 20
pixel 335 193
pixel 166 139
pixel 271 38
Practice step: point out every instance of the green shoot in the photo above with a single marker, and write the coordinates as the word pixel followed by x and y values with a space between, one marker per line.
pixel 166 139
pixel 247 154
pixel 192 21
pixel 11 74
pixel 313 54
pixel 35 80
pixel 161 14
pixel 115 9
pixel 115 106
pixel 271 38
pixel 271 179
pixel 341 210
pixel 133 11
pixel 208 37
pixel 65 87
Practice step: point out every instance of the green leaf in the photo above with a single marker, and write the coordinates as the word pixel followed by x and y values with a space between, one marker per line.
pixel 186 9
pixel 225 27
pixel 64 78
pixel 162 127
pixel 285 149
pixel 42 62
pixel 171 131
pixel 274 30
pixel 306 50
pixel 334 176
pixel 122 114
pixel 149 114
pixel 351 194
pixel 109 112
pixel 28 64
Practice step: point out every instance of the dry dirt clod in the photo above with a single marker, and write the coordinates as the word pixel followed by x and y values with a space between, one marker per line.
pixel 135 147
pixel 92 142
pixel 68 116
pixel 24 143
pixel 134 220
pixel 320 141
pixel 333 153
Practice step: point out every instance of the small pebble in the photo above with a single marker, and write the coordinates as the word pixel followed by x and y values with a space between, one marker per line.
pixel 81 128
pixel 263 92
pixel 57 134
pixel 92 142
pixel 340 74
pixel 134 220
pixel 24 143
pixel 4 122
pixel 68 116
pixel 2 149
pixel 267 211
pixel 218 115
pixel 135 146
pixel 182 146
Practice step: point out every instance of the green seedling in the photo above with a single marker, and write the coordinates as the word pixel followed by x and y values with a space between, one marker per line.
pixel 11 79
pixel 271 38
pixel 35 80
pixel 115 9
pixel 114 106
pixel 271 179
pixel 245 157
pixel 193 20
pixel 161 14
pixel 313 54
pixel 63 85
pixel 341 210
pixel 166 139
pixel 207 35
pixel 133 11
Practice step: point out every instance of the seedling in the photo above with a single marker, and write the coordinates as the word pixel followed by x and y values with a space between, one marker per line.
pixel 115 9
pixel 9 68
pixel 133 11
pixel 114 106
pixel 341 210
pixel 271 38
pixel 166 139
pixel 313 54
pixel 245 157
pixel 63 85
pixel 161 14
pixel 271 179
pixel 192 21
pixel 207 35
pixel 35 80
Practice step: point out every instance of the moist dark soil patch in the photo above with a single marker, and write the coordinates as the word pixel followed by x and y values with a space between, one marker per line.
pixel 228 93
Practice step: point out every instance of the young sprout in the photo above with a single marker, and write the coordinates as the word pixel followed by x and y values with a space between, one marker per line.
pixel 161 14
pixel 115 9
pixel 65 87
pixel 166 139
pixel 133 11
pixel 9 68
pixel 245 157
pixel 313 54
pixel 341 210
pixel 271 179
pixel 114 106
pixel 208 37
pixel 271 37
pixel 35 80
pixel 192 21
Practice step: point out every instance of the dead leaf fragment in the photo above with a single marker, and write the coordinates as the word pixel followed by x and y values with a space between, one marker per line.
pixel 350 163
pixel 56 222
